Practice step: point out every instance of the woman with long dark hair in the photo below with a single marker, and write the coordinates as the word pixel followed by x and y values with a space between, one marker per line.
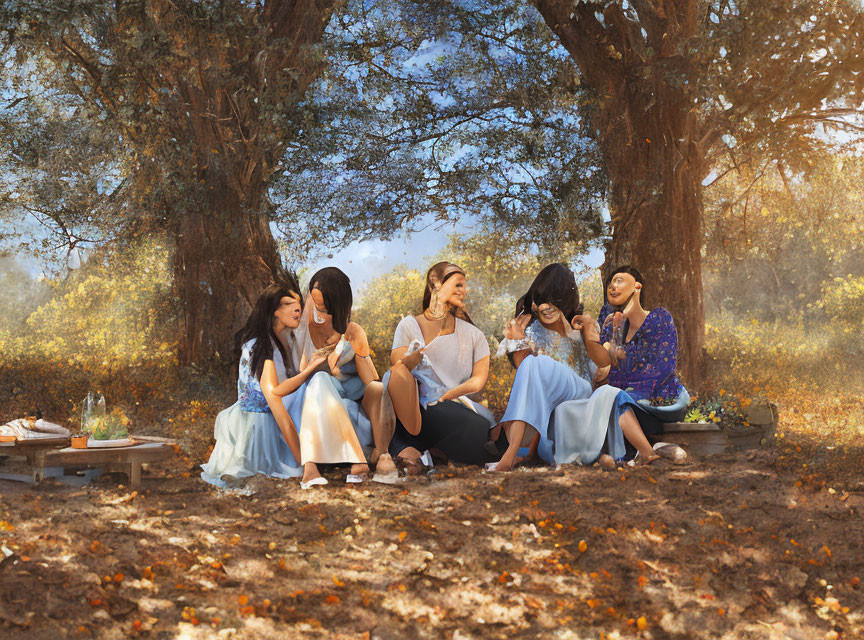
pixel 345 391
pixel 256 435
pixel 643 348
pixel 438 362
pixel 556 351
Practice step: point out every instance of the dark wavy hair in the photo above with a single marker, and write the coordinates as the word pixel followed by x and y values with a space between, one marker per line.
pixel 440 272
pixel 335 288
pixel 629 269
pixel 555 284
pixel 259 325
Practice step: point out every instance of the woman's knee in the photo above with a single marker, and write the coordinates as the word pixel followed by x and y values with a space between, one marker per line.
pixel 374 390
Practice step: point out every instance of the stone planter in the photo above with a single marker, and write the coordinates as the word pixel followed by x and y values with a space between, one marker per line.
pixel 707 438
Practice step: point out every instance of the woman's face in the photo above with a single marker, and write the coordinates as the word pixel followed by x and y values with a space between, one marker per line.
pixel 621 287
pixel 319 309
pixel 547 313
pixel 288 312
pixel 454 290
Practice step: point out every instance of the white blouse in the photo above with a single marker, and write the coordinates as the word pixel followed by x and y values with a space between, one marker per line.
pixel 451 356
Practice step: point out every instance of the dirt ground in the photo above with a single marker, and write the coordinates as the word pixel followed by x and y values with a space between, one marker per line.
pixel 741 546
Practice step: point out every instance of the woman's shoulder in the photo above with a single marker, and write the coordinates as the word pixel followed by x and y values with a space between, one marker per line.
pixel 408 324
pixel 660 315
pixel 463 326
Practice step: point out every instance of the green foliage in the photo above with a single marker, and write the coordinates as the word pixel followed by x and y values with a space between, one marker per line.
pixel 108 427
pixel 842 302
pixel 445 111
pixel 776 244
pixel 20 293
pixel 723 409
pixel 116 311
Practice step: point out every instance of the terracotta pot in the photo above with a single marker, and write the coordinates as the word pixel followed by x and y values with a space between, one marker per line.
pixel 79 442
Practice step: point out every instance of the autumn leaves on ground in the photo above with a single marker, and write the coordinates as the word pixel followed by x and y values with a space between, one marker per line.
pixel 742 546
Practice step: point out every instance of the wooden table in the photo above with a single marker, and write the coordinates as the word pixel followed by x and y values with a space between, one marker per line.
pixel 35 450
pixel 59 454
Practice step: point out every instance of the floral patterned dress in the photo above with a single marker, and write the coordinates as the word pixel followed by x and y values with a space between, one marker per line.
pixel 648 370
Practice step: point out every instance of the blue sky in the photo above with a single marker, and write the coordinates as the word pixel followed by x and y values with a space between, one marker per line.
pixel 363 261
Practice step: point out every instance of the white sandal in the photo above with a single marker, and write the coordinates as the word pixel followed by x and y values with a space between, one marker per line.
pixel 314 482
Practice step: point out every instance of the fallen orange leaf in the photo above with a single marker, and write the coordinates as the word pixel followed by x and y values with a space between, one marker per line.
pixel 402 535
pixel 331 599
pixel 583 546
pixel 242 600
pixel 641 623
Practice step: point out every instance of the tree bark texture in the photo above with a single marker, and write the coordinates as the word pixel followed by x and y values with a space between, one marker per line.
pixel 225 253
pixel 648 134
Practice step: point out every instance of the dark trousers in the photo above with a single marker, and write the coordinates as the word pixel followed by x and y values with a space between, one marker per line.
pixel 453 429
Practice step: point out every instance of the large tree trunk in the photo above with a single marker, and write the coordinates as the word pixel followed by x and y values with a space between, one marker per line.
pixel 225 253
pixel 648 134
pixel 661 235
pixel 224 256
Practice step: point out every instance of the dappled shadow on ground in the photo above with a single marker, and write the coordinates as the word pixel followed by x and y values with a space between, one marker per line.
pixel 738 547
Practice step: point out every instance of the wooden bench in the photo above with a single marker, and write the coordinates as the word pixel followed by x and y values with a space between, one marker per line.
pixel 41 454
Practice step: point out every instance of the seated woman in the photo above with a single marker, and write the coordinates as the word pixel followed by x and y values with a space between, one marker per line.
pixel 439 359
pixel 556 351
pixel 643 346
pixel 345 390
pixel 254 436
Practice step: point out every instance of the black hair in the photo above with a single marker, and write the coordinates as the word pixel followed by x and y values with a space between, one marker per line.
pixel 259 325
pixel 631 270
pixel 335 288
pixel 440 272
pixel 555 284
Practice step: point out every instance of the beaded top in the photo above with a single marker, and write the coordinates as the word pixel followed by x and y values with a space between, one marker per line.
pixel 569 351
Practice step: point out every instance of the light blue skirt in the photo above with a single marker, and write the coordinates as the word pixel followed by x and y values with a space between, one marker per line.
pixel 574 423
pixel 249 443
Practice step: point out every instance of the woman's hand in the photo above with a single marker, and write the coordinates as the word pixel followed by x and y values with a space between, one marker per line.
pixel 516 328
pixel 314 363
pixel 412 359
pixel 585 323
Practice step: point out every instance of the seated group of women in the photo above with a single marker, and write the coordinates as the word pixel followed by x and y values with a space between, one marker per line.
pixel 309 393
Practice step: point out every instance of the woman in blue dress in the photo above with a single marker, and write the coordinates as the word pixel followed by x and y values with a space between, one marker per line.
pixel 556 351
pixel 254 435
pixel 643 348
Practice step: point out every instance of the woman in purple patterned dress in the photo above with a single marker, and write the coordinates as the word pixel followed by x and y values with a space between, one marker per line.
pixel 643 346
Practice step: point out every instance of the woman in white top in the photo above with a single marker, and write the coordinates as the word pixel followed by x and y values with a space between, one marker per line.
pixel 439 359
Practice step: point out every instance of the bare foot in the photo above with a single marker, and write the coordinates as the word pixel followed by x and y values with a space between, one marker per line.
pixel 413 466
pixel 385 464
pixel 506 463
pixel 359 469
pixel 644 459
pixel 607 462
pixel 310 471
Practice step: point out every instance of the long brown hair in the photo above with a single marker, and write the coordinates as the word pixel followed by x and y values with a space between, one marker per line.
pixel 439 274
